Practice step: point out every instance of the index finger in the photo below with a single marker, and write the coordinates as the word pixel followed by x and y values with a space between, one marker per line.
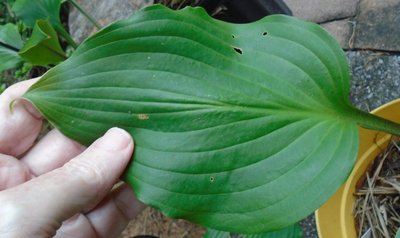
pixel 20 127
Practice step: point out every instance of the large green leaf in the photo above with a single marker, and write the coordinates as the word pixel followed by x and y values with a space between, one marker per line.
pixel 293 231
pixel 211 233
pixel 43 47
pixel 29 11
pixel 10 43
pixel 244 128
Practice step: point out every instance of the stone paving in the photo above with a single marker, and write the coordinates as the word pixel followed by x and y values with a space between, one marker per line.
pixel 104 11
pixel 323 10
pixel 356 24
pixel 369 31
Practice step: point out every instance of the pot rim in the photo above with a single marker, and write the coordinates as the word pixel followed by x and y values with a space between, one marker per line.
pixel 335 218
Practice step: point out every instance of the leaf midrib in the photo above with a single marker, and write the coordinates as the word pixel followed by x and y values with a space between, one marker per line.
pixel 221 71
pixel 300 113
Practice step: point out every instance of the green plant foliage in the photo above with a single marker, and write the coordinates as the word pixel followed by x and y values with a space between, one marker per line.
pixel 211 233
pixel 239 127
pixel 43 47
pixel 6 16
pixel 30 11
pixel 10 43
pixel 293 231
pixel 398 233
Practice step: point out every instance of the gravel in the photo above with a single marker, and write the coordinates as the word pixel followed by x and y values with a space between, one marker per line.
pixel 375 78
pixel 309 228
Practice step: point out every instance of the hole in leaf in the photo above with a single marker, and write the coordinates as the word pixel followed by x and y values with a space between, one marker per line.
pixel 238 50
pixel 212 179
pixel 233 36
pixel 265 33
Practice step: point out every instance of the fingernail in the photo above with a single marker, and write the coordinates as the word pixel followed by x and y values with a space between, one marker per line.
pixel 114 139
pixel 31 109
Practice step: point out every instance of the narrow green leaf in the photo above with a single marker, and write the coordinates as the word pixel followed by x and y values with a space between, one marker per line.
pixel 43 47
pixel 211 233
pixel 10 43
pixel 29 11
pixel 234 124
pixel 293 231
pixel 398 233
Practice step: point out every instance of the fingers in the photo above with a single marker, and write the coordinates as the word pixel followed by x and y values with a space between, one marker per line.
pixel 51 152
pixel 113 215
pixel 77 226
pixel 108 219
pixel 77 186
pixel 21 126
pixel 12 172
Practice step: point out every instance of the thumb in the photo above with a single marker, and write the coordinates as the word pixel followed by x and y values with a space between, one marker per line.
pixel 77 186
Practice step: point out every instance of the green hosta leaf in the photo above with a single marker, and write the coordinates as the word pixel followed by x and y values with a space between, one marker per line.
pixel 43 47
pixel 29 11
pixel 9 35
pixel 211 233
pixel 10 43
pixel 293 231
pixel 244 128
pixel 398 233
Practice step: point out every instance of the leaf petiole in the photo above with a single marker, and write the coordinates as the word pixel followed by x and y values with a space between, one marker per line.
pixel 85 13
pixel 370 121
pixel 66 35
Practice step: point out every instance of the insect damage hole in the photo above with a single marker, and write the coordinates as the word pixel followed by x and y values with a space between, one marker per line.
pixel 238 50
pixel 265 33
pixel 212 179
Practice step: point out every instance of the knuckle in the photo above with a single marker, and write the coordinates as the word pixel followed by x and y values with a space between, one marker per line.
pixel 12 172
pixel 89 175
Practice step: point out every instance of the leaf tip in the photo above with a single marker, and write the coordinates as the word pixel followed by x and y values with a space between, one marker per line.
pixel 12 104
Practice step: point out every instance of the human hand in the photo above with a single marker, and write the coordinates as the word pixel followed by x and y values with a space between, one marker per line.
pixel 57 187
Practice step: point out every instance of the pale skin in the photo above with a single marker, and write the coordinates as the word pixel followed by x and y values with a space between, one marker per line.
pixel 57 187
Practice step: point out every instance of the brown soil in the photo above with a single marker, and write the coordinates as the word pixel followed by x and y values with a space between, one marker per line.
pixel 152 222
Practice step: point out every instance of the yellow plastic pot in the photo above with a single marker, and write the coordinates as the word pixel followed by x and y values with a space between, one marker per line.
pixel 335 218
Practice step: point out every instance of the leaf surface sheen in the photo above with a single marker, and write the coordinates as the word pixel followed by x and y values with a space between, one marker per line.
pixel 242 128
pixel 30 11
pixel 10 36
